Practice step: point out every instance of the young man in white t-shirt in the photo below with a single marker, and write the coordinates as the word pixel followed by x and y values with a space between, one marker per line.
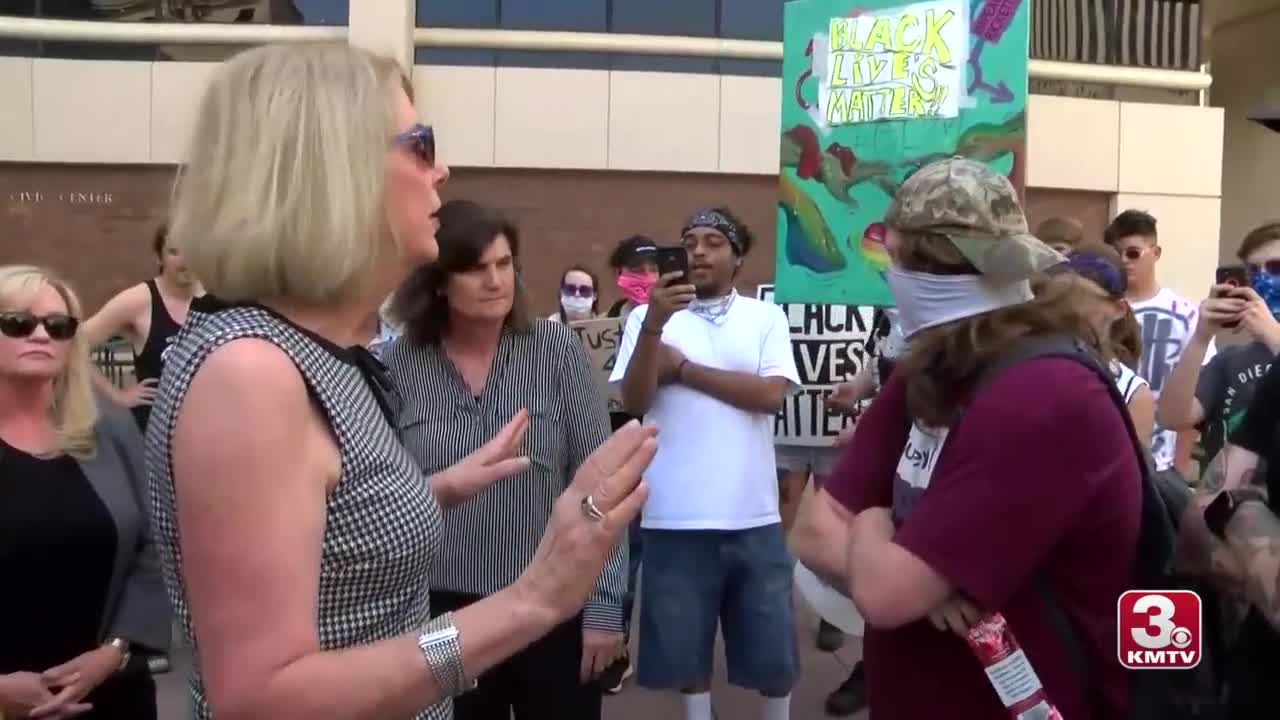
pixel 1166 319
pixel 711 368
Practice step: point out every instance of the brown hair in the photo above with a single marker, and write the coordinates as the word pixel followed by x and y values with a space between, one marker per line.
pixel 1257 237
pixel 1124 342
pixel 943 362
pixel 467 230
pixel 160 239
pixel 1061 231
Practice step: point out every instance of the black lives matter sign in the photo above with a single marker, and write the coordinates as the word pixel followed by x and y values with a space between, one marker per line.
pixel 830 347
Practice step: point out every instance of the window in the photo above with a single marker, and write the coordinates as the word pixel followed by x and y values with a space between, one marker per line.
pixel 697 18
pixel 740 19
pixel 558 15
pixel 276 12
pixel 456 14
pixel 751 20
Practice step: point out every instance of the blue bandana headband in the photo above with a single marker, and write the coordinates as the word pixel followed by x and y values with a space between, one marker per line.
pixel 717 221
pixel 1095 268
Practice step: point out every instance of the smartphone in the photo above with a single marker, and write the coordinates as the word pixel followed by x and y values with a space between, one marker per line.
pixel 673 259
pixel 1235 276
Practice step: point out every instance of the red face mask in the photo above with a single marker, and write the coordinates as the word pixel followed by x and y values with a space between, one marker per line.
pixel 635 286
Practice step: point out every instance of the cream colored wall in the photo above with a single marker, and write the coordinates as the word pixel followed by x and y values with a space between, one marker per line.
pixel 1163 158
pixel 1245 58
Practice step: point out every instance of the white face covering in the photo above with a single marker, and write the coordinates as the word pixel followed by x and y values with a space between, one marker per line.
pixel 925 300
pixel 896 343
pixel 577 308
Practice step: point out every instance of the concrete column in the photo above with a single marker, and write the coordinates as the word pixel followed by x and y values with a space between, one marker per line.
pixel 384 27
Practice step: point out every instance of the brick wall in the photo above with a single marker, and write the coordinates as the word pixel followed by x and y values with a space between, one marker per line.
pixel 94 223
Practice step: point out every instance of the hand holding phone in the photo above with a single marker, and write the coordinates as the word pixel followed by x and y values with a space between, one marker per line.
pixel 1233 275
pixel 673 291
pixel 1227 279
pixel 673 260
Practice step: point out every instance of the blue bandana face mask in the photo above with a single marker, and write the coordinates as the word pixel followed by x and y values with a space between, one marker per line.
pixel 1268 288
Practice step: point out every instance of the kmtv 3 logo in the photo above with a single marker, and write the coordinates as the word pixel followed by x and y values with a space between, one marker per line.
pixel 1159 629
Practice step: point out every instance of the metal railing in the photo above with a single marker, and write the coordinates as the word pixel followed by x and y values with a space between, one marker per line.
pixel 115 359
pixel 531 40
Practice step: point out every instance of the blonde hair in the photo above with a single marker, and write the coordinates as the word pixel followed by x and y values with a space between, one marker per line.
pixel 281 195
pixel 75 409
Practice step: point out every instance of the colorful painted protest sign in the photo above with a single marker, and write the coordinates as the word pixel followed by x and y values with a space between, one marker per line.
pixel 872 91
pixel 829 343
pixel 601 337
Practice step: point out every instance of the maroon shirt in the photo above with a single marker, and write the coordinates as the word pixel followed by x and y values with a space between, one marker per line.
pixel 1038 481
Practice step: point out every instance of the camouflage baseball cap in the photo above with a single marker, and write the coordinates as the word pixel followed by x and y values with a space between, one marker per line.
pixel 977 209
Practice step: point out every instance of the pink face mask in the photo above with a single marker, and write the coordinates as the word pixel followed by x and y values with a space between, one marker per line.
pixel 635 287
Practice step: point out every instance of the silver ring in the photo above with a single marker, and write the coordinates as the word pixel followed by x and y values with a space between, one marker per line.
pixel 590 510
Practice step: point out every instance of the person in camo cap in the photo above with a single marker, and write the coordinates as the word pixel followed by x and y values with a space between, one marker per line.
pixel 977 210
pixel 1021 503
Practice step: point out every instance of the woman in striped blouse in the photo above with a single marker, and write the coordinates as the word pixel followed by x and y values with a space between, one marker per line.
pixel 471 358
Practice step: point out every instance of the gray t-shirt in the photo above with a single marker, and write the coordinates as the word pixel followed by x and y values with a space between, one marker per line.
pixel 1226 387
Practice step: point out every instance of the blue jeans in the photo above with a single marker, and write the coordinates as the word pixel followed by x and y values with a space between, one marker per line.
pixel 694 580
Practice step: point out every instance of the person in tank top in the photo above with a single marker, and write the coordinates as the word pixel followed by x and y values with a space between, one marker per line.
pixel 274 452
pixel 149 315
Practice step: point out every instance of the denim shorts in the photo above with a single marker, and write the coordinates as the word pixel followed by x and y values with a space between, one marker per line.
pixel 820 460
pixel 692 580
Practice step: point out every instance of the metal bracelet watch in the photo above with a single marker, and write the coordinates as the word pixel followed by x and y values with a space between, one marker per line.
pixel 440 646
pixel 125 651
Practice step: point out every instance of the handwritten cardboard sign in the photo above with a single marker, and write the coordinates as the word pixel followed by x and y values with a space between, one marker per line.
pixel 829 343
pixel 601 337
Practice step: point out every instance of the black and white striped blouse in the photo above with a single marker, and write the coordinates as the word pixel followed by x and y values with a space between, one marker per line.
pixel 491 538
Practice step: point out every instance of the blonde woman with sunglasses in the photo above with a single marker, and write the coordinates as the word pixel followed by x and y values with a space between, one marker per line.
pixel 86 596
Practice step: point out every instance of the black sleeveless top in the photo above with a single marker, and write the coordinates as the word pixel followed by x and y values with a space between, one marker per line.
pixel 148 363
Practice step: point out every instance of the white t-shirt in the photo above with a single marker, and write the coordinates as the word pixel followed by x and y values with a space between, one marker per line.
pixel 714 469
pixel 1127 380
pixel 1168 321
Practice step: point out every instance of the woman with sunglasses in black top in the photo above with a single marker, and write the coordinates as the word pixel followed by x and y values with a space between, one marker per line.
pixel 83 594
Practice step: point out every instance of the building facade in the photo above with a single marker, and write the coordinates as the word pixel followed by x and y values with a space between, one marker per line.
pixel 584 147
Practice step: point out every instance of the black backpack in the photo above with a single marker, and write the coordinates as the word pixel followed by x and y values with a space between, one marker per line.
pixel 1155 694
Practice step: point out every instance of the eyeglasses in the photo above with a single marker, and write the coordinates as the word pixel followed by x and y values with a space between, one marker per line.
pixel 1270 267
pixel 421 141
pixel 582 291
pixel 59 326
pixel 1133 253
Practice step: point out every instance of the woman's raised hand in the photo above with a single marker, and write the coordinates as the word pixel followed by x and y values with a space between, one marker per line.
pixel 591 514
pixel 495 460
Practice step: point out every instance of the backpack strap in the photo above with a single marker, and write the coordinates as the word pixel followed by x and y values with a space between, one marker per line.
pixel 1152 542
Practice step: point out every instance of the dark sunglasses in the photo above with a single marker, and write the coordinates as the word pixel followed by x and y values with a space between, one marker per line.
pixel 421 141
pixel 22 324
pixel 582 291
pixel 1270 267
pixel 1133 253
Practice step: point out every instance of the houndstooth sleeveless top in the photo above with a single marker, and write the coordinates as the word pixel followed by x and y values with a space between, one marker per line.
pixel 382 524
